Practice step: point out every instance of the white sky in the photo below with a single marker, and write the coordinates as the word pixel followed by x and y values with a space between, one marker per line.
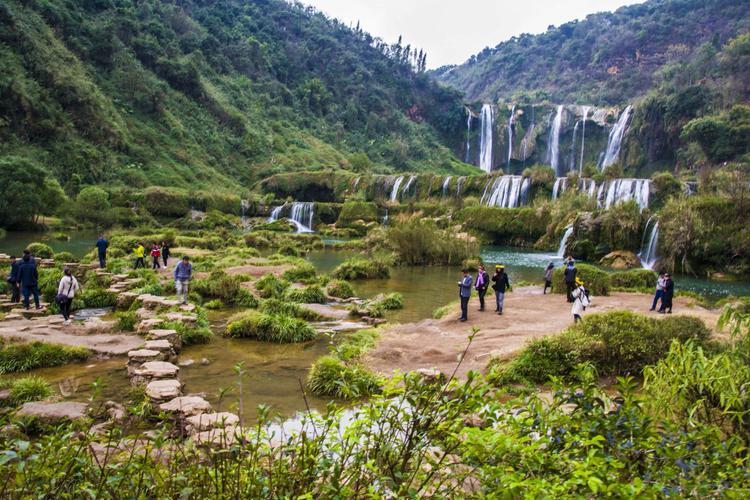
pixel 451 31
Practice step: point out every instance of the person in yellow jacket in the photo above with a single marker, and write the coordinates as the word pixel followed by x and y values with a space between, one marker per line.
pixel 139 252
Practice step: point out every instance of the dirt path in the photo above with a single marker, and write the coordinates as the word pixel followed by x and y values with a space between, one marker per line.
pixel 528 314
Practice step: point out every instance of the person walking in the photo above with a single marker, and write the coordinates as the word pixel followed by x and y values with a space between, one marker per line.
pixel 500 284
pixel 139 252
pixel 28 279
pixel 15 287
pixel 481 285
pixel 165 252
pixel 666 301
pixel 548 277
pixel 581 301
pixel 101 245
pixel 183 272
pixel 571 274
pixel 155 256
pixel 464 293
pixel 66 290
pixel 660 283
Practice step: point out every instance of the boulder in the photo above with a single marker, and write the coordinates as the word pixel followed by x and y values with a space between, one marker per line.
pixel 185 362
pixel 170 336
pixel 53 412
pixel 115 411
pixel 186 406
pixel 431 375
pixel 164 390
pixel 207 421
pixel 126 299
pixel 620 259
pixel 147 325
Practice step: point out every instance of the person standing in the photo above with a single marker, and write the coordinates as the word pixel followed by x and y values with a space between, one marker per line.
pixel 139 252
pixel 666 301
pixel 500 284
pixel 101 245
pixel 660 283
pixel 481 285
pixel 548 277
pixel 15 289
pixel 66 290
pixel 580 301
pixel 571 274
pixel 183 272
pixel 464 293
pixel 165 251
pixel 28 278
pixel 155 256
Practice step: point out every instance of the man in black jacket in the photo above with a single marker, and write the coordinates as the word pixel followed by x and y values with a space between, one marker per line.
pixel 500 284
pixel 28 277
pixel 15 292
pixel 570 278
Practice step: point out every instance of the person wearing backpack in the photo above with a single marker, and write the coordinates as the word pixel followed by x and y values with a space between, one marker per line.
pixel 13 281
pixel 548 277
pixel 570 274
pixel 155 256
pixel 66 290
pixel 481 285
pixel 580 301
pixel 28 279
pixel 500 284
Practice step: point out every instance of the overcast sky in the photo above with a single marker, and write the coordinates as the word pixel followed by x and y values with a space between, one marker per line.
pixel 452 30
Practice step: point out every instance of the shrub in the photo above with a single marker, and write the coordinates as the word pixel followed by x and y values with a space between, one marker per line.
pixel 213 304
pixel 359 268
pixel 190 334
pixel 340 289
pixel 63 257
pixel 256 241
pixel 356 344
pixel 597 282
pixel 354 211
pixel 420 242
pixel 391 301
pixel 332 377
pixel 300 272
pixel 289 251
pixel 126 320
pixel 245 299
pixel 26 389
pixel 97 297
pixel 308 295
pixel 27 356
pixel 220 285
pixel 270 286
pixel 506 225
pixel 633 278
pixel 41 250
pixel 471 264
pixel 279 328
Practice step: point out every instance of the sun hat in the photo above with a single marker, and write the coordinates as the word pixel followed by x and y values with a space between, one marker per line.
pixel 499 266
pixel 578 281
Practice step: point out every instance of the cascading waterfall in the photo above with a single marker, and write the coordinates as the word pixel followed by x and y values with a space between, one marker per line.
pixel 612 154
pixel 508 191
pixel 564 241
pixel 510 134
pixel 620 190
pixel 583 136
pixel 467 159
pixel 553 144
pixel 244 206
pixel 587 186
pixel 445 185
pixel 276 213
pixel 572 160
pixel 460 184
pixel 649 257
pixel 356 183
pixel 395 188
pixel 559 187
pixel 301 215
pixel 485 138
pixel 385 218
pixel 408 184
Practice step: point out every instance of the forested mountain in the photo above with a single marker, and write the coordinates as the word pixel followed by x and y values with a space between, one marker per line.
pixel 148 92
pixel 608 58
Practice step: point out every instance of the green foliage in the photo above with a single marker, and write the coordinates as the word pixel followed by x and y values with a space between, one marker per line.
pixel 26 389
pixel 722 137
pixel 329 376
pixel 443 311
pixel 359 268
pixel 391 301
pixel 269 286
pixel 25 188
pixel 126 320
pixel 308 295
pixel 214 304
pixel 278 328
pixel 41 250
pixel 64 257
pixel 353 211
pixel 596 281
pixel 340 289
pixel 191 334
pixel 301 272
pixel 92 204
pixel 220 285
pixel 419 242
pixel 514 226
pixel 97 297
pixel 23 357
pixel 284 308
pixel 633 279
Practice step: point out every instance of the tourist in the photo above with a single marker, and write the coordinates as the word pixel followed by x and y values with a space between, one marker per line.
pixel 570 277
pixel 660 282
pixel 500 284
pixel 666 301
pixel 580 301
pixel 28 278
pixel 66 290
pixel 139 252
pixel 464 292
pixel 15 292
pixel 102 245
pixel 183 271
pixel 165 251
pixel 482 283
pixel 548 277
pixel 155 256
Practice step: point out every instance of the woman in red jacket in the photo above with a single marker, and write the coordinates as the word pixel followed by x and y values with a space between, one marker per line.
pixel 155 254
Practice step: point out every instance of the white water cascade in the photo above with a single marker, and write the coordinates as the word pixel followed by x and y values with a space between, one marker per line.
pixel 583 136
pixel 553 144
pixel 485 138
pixel 559 187
pixel 612 154
pixel 467 158
pixel 276 213
pixel 616 191
pixel 564 242
pixel 587 186
pixel 649 257
pixel 510 134
pixel 445 185
pixel 302 216
pixel 408 184
pixel 508 191
pixel 396 187
pixel 459 184
pixel 244 206
pixel 356 183
pixel 572 159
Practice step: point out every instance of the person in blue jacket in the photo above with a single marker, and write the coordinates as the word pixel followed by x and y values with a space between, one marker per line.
pixel 101 245
pixel 464 292
pixel 15 291
pixel 28 278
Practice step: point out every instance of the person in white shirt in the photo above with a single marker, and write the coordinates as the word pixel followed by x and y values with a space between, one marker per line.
pixel 66 290
pixel 580 301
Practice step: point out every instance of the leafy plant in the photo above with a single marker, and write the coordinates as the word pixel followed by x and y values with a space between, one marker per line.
pixel 279 328
pixel 26 389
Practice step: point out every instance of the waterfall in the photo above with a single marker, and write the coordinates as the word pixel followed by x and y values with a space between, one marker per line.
pixel 648 255
pixel 572 160
pixel 583 136
pixel 445 185
pixel 302 216
pixel 510 134
pixel 612 154
pixel 244 206
pixel 276 213
pixel 356 183
pixel 385 218
pixel 553 144
pixel 559 188
pixel 395 188
pixel 485 138
pixel 508 191
pixel 619 190
pixel 408 185
pixel 459 185
pixel 587 186
pixel 564 241
pixel 467 158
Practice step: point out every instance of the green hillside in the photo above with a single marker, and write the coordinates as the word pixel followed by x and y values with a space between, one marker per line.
pixel 215 93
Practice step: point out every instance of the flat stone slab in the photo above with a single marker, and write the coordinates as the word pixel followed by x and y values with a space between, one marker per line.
pixel 170 336
pixel 207 421
pixel 53 412
pixel 156 370
pixel 155 302
pixel 158 345
pixel 163 390
pixel 145 355
pixel 182 317
pixel 148 324
pixel 186 406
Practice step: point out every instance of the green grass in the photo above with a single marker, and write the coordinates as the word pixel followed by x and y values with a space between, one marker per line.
pixel 278 328
pixel 330 376
pixel 340 289
pixel 307 295
pixel 27 389
pixel 23 357
pixel 359 268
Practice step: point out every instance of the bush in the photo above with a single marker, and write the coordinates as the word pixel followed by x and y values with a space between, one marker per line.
pixel 359 268
pixel 289 251
pixel 300 272
pixel 356 344
pixel 214 304
pixel 354 211
pixel 126 320
pixel 24 357
pixel 391 301
pixel 420 242
pixel 276 306
pixel 308 295
pixel 63 257
pixel 190 334
pixel 633 278
pixel 26 389
pixel 97 297
pixel 270 286
pixel 340 289
pixel 596 281
pixel 332 377
pixel 220 285
pixel 41 250
pixel 279 328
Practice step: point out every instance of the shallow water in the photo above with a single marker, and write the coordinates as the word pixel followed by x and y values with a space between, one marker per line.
pixel 79 244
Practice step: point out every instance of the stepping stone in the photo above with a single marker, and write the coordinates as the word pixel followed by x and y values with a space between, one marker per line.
pixel 187 307
pixel 219 437
pixel 125 299
pixel 170 336
pixel 147 325
pixel 53 412
pixel 155 302
pixel 141 356
pixel 182 317
pixel 144 313
pixel 13 316
pixel 158 345
pixel 186 406
pixel 207 421
pixel 152 370
pixel 163 390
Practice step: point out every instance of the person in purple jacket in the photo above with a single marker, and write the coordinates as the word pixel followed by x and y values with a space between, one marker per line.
pixel 481 284
pixel 183 272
